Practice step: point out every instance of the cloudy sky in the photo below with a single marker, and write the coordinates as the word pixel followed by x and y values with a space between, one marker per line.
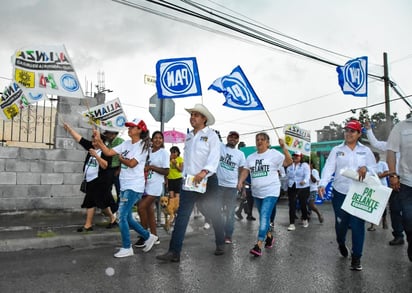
pixel 125 43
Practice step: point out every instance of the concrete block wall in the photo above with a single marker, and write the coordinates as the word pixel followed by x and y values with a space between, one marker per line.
pixel 33 179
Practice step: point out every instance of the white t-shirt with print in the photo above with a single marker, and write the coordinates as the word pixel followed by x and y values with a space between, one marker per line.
pixel 155 181
pixel 264 172
pixel 132 178
pixel 228 170
pixel 92 167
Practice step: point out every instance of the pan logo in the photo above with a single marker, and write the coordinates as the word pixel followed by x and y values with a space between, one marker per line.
pixel 69 83
pixel 238 92
pixel 355 75
pixel 177 78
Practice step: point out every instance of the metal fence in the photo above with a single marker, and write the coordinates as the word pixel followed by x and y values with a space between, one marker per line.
pixel 32 128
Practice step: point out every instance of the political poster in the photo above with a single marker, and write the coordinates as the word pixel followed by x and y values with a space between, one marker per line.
pixel 12 101
pixel 177 78
pixel 42 70
pixel 297 139
pixel 109 116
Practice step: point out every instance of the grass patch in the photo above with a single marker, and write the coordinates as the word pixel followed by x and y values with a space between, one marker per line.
pixel 46 234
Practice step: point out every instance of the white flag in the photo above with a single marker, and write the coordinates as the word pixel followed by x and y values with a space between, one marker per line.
pixel 41 70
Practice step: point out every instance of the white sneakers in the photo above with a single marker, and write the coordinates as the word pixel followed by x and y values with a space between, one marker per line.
pixel 206 226
pixel 124 252
pixel 291 227
pixel 150 242
pixel 305 223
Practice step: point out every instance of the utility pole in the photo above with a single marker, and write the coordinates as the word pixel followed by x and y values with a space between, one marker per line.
pixel 387 102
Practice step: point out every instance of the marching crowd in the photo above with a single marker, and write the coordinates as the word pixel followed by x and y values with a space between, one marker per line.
pixel 140 167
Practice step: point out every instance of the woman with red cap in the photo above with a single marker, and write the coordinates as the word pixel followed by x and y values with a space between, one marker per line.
pixel 132 155
pixel 352 155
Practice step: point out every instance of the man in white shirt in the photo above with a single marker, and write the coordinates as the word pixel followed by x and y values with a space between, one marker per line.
pixel 394 208
pixel 400 141
pixel 201 157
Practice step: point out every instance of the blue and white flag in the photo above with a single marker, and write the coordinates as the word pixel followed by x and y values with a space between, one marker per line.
pixel 237 90
pixel 177 78
pixel 353 77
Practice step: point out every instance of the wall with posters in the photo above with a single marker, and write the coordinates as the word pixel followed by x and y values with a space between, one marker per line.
pixel 47 179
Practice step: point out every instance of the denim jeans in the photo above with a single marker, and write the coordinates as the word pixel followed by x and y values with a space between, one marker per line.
pixel 228 196
pixel 128 198
pixel 405 202
pixel 395 214
pixel 212 206
pixel 342 222
pixel 265 207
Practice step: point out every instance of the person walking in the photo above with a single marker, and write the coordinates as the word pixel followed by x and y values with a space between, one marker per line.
pixel 246 202
pixel 231 164
pixel 98 192
pixel 157 168
pixel 132 156
pixel 313 185
pixel 174 178
pixel 201 157
pixel 382 171
pixel 351 155
pixel 394 208
pixel 263 167
pixel 112 139
pixel 400 141
pixel 298 188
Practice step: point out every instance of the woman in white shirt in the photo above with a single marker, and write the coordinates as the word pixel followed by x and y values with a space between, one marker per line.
pixel 263 166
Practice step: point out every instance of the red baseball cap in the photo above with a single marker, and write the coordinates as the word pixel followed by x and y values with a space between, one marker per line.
pixel 136 122
pixel 354 124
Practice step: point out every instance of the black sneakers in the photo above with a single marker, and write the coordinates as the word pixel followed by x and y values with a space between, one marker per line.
pixel 220 250
pixel 397 241
pixel 140 242
pixel 256 251
pixel 169 256
pixel 238 215
pixel 343 250
pixel 269 241
pixel 355 264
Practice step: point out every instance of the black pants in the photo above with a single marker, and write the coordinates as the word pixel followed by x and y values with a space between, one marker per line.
pixel 298 193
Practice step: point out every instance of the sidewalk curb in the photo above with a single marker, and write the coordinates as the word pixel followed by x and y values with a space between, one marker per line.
pixel 73 241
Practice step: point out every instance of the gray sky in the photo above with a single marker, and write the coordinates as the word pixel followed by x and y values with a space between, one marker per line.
pixel 125 43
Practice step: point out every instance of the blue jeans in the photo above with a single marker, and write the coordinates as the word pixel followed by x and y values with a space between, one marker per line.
pixel 212 206
pixel 265 207
pixel 128 198
pixel 396 215
pixel 342 222
pixel 405 203
pixel 228 196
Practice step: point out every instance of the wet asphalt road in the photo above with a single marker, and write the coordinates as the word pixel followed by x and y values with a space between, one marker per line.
pixel 305 260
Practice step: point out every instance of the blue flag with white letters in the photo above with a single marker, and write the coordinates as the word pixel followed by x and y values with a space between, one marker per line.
pixel 237 90
pixel 177 78
pixel 353 77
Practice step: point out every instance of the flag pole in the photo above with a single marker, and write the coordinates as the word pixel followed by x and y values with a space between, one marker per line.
pixel 270 120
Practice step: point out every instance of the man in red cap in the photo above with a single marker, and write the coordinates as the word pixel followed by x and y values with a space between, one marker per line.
pixel 352 155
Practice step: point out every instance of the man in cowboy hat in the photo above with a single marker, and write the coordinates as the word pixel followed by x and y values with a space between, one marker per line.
pixel 201 157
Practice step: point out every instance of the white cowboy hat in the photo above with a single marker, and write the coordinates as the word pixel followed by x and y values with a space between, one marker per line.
pixel 204 111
